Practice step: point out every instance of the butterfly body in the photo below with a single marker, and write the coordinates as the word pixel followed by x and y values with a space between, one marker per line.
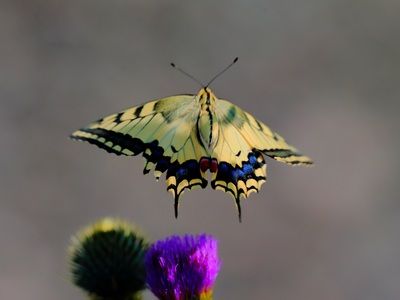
pixel 187 136
pixel 207 123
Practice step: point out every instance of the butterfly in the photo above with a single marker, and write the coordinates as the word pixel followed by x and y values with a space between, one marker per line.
pixel 188 136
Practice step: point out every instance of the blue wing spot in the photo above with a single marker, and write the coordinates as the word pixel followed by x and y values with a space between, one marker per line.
pixel 181 172
pixel 223 169
pixel 252 159
pixel 247 169
pixel 157 153
pixel 162 164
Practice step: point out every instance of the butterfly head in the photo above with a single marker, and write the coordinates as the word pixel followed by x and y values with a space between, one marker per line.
pixel 206 97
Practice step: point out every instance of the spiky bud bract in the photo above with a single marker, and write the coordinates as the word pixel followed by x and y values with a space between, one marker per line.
pixel 107 260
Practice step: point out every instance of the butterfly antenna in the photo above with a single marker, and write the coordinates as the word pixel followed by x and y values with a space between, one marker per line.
pixel 187 74
pixel 223 71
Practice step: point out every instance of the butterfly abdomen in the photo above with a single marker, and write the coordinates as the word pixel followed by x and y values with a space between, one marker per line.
pixel 208 129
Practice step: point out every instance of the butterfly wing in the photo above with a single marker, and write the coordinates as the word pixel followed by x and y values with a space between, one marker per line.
pixel 163 130
pixel 242 141
pixel 272 144
pixel 260 136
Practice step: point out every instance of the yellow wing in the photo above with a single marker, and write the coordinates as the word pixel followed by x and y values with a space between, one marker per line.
pixel 241 142
pixel 163 130
pixel 260 136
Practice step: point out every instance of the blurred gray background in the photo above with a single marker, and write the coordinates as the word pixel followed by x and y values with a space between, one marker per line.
pixel 323 73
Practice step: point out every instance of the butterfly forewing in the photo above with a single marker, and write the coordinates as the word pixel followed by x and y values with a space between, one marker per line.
pixel 259 136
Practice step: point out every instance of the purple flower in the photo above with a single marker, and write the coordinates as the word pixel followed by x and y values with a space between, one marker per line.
pixel 181 268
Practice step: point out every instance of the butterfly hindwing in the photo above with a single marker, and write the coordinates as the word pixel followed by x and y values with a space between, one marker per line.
pixel 241 168
pixel 242 178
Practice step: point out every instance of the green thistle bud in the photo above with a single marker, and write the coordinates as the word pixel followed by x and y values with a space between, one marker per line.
pixel 107 260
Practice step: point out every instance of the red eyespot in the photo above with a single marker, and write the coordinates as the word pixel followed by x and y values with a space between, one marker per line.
pixel 213 165
pixel 208 164
pixel 204 164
